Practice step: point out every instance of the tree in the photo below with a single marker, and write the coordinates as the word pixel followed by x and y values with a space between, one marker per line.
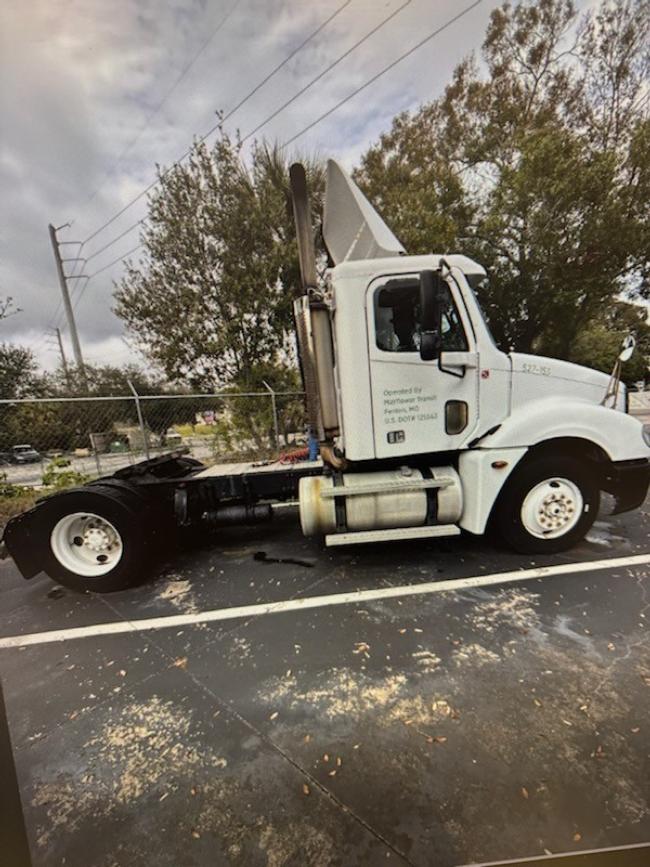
pixel 210 301
pixel 17 371
pixel 539 169
pixel 599 344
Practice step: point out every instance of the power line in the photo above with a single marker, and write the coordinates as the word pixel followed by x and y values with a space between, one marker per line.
pixel 115 261
pixel 327 69
pixel 293 138
pixel 286 60
pixel 216 126
pixel 121 258
pixel 154 111
pixel 386 69
pixel 118 238
pixel 232 111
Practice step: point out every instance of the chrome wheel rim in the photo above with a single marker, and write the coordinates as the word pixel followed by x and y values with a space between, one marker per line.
pixel 552 508
pixel 86 544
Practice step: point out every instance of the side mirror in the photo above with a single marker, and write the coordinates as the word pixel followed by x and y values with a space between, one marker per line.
pixel 430 315
pixel 629 345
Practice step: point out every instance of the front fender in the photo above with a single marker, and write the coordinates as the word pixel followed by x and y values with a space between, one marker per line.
pixel 618 435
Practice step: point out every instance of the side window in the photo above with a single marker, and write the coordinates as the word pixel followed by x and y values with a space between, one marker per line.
pixel 397 319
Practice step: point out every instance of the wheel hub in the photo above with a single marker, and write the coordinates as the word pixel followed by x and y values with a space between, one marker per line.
pixel 98 538
pixel 552 508
pixel 86 544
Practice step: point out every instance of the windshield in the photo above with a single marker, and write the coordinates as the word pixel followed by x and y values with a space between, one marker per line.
pixel 479 283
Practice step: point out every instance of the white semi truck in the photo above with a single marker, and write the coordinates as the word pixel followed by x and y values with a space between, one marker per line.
pixel 426 428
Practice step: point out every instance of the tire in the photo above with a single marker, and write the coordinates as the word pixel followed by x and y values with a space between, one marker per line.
pixel 95 539
pixel 548 504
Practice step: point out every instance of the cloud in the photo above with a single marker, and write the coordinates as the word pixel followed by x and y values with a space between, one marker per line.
pixel 80 78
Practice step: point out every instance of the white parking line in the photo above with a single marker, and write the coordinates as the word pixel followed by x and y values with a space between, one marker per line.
pixel 304 603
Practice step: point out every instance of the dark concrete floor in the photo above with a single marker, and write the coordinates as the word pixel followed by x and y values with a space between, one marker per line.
pixel 438 729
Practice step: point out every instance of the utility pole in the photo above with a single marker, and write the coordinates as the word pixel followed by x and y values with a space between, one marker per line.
pixel 64 360
pixel 74 337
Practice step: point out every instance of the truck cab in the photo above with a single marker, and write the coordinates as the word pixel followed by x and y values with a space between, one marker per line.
pixel 421 387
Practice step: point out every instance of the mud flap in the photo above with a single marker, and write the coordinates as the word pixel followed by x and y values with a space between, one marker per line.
pixel 628 482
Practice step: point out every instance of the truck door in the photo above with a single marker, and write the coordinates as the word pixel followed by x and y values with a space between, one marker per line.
pixel 419 406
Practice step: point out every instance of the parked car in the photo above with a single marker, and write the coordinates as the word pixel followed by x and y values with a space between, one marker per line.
pixel 24 454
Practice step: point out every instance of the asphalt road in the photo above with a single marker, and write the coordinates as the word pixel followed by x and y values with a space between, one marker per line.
pixel 491 720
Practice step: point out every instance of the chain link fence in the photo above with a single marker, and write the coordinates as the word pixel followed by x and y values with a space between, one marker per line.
pixel 95 436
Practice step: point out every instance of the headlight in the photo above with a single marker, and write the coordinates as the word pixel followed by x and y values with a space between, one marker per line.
pixel 645 432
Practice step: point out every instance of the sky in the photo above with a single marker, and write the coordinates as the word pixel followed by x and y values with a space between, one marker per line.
pixel 91 102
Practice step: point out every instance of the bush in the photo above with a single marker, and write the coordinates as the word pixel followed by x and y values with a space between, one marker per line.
pixel 58 477
pixel 14 499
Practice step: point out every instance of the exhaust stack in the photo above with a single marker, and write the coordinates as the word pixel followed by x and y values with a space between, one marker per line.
pixel 313 325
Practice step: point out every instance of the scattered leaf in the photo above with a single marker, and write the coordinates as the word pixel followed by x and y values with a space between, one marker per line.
pixel 440 739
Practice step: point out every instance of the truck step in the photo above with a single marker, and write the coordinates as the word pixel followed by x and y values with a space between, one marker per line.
pixel 363 536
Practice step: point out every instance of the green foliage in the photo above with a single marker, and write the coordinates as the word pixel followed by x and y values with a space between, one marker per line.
pixel 599 344
pixel 57 476
pixel 15 499
pixel 9 491
pixel 17 371
pixel 67 425
pixel 539 169
pixel 211 297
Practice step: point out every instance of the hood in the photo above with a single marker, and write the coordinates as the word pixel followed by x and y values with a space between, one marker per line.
pixel 352 229
pixel 531 372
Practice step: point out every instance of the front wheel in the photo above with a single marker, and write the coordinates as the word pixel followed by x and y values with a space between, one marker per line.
pixel 548 505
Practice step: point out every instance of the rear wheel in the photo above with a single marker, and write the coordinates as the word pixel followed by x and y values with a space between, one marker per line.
pixel 95 540
pixel 548 504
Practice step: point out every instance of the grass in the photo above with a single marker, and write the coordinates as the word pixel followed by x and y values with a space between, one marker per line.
pixel 15 504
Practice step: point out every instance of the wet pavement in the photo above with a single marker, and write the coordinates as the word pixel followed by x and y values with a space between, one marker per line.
pixel 445 728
